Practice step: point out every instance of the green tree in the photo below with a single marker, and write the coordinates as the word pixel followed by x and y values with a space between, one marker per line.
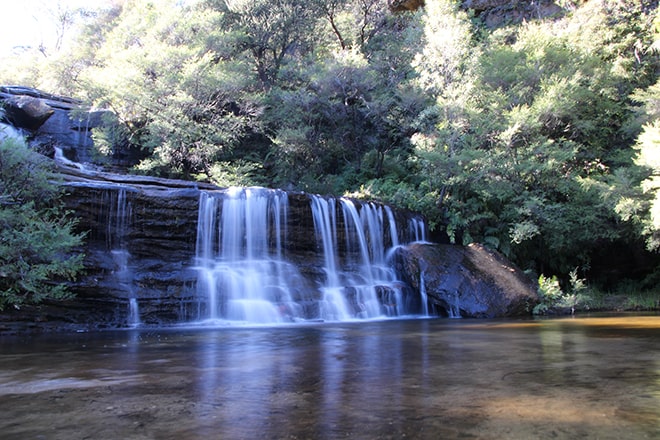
pixel 176 96
pixel 37 239
pixel 527 147
pixel 648 156
pixel 267 34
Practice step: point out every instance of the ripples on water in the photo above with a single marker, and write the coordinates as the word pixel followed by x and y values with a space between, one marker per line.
pixel 434 378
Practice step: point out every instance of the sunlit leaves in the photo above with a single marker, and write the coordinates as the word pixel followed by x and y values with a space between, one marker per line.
pixel 447 52
pixel 525 144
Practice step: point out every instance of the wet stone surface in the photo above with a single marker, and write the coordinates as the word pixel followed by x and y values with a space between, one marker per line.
pixel 486 379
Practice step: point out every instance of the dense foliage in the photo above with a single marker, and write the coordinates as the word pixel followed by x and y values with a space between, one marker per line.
pixel 37 241
pixel 539 138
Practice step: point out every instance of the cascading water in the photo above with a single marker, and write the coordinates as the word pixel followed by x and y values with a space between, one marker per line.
pixel 118 223
pixel 333 304
pixel 422 293
pixel 417 229
pixel 359 284
pixel 63 160
pixel 242 273
pixel 113 218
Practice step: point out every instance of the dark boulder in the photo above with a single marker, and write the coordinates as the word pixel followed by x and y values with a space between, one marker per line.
pixel 405 5
pixel 27 112
pixel 497 13
pixel 466 281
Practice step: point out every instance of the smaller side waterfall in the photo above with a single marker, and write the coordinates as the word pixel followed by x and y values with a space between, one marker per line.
pixel 110 216
pixel 417 229
pixel 360 283
pixel 424 296
pixel 116 214
pixel 133 312
pixel 9 132
pixel 63 160
pixel 117 229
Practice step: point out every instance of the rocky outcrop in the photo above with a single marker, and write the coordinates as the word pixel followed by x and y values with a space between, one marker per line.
pixel 52 121
pixel 497 13
pixel 405 5
pixel 466 281
pixel 26 111
pixel 57 124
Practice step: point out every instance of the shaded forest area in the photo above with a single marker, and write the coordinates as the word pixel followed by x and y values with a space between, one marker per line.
pixel 534 134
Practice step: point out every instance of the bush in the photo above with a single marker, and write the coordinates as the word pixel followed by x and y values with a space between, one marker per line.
pixel 37 240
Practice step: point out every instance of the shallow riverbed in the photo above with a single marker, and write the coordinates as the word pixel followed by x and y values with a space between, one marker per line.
pixel 595 377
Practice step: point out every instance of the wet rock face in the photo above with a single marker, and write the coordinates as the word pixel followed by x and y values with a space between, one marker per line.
pixel 469 281
pixel 141 244
pixel 141 249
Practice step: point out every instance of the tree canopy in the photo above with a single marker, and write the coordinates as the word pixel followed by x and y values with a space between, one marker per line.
pixel 538 138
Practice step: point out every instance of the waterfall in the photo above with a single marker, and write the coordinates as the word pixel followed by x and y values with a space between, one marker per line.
pixel 454 309
pixel 61 159
pixel 417 229
pixel 245 275
pixel 133 312
pixel 242 273
pixel 9 132
pixel 333 304
pixel 422 293
pixel 364 233
pixel 394 235
pixel 119 213
pixel 359 284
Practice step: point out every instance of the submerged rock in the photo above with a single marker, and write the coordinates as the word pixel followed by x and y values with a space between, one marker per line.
pixel 466 281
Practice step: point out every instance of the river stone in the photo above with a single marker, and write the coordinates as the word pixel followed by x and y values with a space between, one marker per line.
pixel 470 281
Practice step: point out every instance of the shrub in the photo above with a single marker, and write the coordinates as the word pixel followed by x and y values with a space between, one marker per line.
pixel 37 238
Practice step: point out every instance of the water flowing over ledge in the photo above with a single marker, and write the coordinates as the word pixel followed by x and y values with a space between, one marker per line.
pixel 245 273
pixel 161 252
pixel 171 252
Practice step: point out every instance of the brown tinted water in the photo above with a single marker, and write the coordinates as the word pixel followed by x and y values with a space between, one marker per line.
pixel 594 378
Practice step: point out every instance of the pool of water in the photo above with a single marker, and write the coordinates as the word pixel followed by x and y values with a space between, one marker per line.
pixel 592 377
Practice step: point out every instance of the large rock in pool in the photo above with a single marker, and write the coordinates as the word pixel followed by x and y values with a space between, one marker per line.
pixel 466 281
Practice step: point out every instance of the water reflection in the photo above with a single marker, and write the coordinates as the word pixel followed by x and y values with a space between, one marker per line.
pixel 567 378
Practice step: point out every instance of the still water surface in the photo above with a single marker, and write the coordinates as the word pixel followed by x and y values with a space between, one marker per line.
pixel 595 378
